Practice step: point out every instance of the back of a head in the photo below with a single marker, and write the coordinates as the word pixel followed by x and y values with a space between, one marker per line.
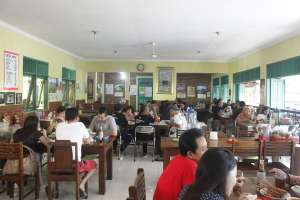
pixel 102 110
pixel 31 122
pixel 118 107
pixel 212 172
pixel 60 109
pixel 71 114
pixel 187 141
pixel 242 103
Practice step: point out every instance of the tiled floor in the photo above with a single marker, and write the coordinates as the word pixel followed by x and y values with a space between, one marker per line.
pixel 124 172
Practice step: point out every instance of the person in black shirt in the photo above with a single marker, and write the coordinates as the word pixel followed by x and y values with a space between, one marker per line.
pixel 146 119
pixel 31 137
pixel 123 126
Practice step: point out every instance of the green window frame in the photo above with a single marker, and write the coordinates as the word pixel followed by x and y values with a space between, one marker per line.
pixel 69 82
pixel 37 95
pixel 216 88
pixel 224 87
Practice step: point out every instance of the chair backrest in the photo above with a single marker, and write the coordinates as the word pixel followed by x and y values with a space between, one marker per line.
pixel 63 156
pixel 244 148
pixel 12 151
pixel 145 129
pixel 138 190
pixel 278 148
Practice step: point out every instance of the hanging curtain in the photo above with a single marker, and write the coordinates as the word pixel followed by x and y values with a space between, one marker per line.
pixel 224 87
pixel 216 88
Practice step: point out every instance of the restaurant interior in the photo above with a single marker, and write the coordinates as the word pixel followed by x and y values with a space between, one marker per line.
pixel 162 100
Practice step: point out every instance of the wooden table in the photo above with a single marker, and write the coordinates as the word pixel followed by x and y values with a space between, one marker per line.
pixel 170 147
pixel 105 165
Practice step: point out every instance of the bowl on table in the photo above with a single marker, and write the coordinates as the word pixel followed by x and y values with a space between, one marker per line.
pixel 296 189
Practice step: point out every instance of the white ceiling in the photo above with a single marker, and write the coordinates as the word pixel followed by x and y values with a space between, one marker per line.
pixel 179 27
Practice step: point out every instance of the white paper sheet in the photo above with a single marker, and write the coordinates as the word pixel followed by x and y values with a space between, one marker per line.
pixel 109 89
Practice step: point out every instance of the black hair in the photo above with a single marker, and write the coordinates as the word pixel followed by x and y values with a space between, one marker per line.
pixel 61 109
pixel 71 114
pixel 31 122
pixel 212 172
pixel 187 141
pixel 118 107
pixel 102 110
pixel 242 103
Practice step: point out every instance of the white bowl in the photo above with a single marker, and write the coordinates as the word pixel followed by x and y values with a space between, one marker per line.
pixel 296 189
pixel 293 198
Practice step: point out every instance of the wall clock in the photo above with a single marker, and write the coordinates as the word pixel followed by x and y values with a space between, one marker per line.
pixel 140 67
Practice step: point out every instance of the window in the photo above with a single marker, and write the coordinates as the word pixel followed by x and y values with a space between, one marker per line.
pixel 250 92
pixel 284 93
pixel 224 91
pixel 35 84
pixel 216 92
pixel 68 82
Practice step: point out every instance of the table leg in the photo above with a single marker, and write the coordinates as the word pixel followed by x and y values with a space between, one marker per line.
pixel 109 164
pixel 166 158
pixel 102 172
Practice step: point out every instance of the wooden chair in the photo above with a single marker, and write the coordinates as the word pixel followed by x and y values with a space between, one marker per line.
pixel 277 149
pixel 138 190
pixel 63 167
pixel 249 152
pixel 244 132
pixel 14 151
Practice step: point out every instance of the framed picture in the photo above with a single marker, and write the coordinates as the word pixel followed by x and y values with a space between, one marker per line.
pixel 11 67
pixel 165 77
pixel 90 88
pixel 2 98
pixel 191 91
pixel 10 98
pixel 18 98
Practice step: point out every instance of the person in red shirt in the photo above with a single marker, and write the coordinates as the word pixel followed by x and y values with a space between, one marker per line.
pixel 181 170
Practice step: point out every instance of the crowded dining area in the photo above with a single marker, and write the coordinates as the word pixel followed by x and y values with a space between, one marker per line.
pixel 162 100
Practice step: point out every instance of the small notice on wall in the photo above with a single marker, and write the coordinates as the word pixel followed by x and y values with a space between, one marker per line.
pixel 148 91
pixel 181 95
pixel 133 90
pixel 201 96
pixel 118 94
pixel 109 89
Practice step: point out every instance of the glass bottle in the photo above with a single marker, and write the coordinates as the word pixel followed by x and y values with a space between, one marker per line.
pixel 100 134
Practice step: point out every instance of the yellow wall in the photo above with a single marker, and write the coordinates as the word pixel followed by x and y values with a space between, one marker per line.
pixel 24 46
pixel 281 51
pixel 179 67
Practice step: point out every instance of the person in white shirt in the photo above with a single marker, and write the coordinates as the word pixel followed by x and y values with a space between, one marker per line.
pixel 75 131
pixel 178 121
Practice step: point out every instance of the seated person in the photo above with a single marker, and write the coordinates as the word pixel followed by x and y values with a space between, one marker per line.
pixel 75 131
pixel 129 113
pixel 15 123
pixel 31 137
pixel 146 119
pixel 153 107
pixel 215 177
pixel 105 122
pixel 178 121
pixel 123 126
pixel 288 178
pixel 60 117
pixel 181 170
pixel 244 118
pixel 238 109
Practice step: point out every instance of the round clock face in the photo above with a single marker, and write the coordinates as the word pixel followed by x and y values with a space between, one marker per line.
pixel 140 67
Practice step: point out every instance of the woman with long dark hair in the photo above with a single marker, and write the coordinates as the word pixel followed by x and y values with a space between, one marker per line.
pixel 215 177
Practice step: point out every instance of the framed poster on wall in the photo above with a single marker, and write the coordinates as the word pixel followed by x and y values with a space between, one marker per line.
pixel 90 89
pixel 11 67
pixel 165 77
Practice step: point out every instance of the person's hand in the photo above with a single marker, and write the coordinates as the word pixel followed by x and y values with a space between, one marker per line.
pixel 44 132
pixel 278 174
pixel 237 189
